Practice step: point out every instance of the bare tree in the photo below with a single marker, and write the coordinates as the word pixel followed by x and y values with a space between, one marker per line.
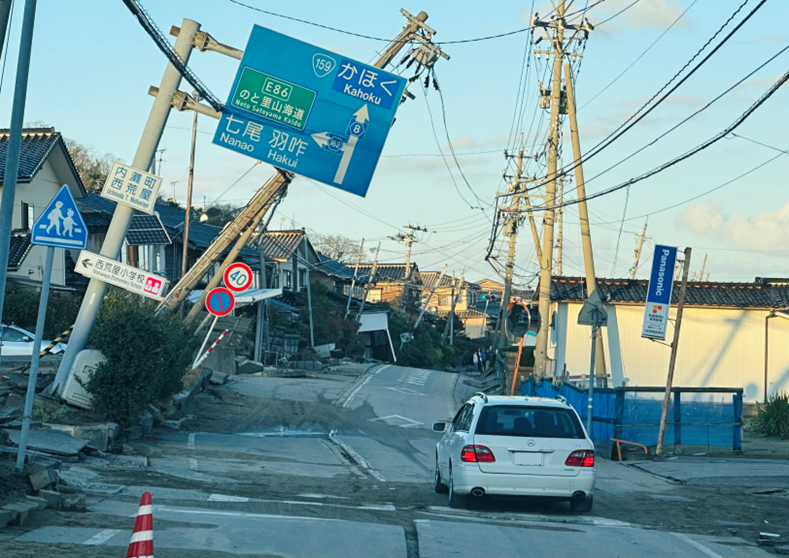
pixel 336 246
pixel 92 167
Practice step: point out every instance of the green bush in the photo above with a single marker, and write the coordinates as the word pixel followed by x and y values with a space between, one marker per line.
pixel 21 308
pixel 147 357
pixel 773 416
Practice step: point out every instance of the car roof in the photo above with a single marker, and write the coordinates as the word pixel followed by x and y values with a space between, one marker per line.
pixel 520 400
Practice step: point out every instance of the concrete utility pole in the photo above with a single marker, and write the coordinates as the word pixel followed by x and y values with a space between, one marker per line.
pixel 116 232
pixel 512 219
pixel 353 281
pixel 450 327
pixel 640 237
pixel 5 16
pixel 370 279
pixel 15 143
pixel 429 297
pixel 190 184
pixel 583 214
pixel 560 223
pixel 408 240
pixel 558 101
pixel 673 358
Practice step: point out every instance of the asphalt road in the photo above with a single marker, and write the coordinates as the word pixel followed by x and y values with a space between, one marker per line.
pixel 342 466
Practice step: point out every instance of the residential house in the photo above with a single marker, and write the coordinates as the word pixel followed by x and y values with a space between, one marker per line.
pixel 389 282
pixel 338 277
pixel 467 295
pixel 44 167
pixel 728 337
pixel 288 254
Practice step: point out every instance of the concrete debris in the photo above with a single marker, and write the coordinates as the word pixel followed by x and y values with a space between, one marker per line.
pixel 98 436
pixel 783 549
pixel 14 400
pixel 250 367
pixel 173 424
pixel 19 512
pixel 51 497
pixel 41 477
pixel 74 502
pixel 218 379
pixel 47 441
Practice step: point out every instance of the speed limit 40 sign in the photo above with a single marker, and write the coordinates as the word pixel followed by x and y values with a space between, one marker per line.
pixel 238 277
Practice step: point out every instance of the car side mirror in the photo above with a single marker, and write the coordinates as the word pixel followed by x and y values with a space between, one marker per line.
pixel 26 339
pixel 439 426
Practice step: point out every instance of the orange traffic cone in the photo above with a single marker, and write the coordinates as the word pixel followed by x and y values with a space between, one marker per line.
pixel 141 545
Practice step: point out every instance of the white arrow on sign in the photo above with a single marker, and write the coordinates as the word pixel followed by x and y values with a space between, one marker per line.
pixel 361 115
pixel 321 139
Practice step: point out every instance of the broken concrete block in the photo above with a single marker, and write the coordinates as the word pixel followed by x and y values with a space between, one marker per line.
pixel 14 400
pixel 174 424
pixel 40 476
pixel 5 517
pixel 250 367
pixel 218 378
pixel 21 511
pixel 51 498
pixel 98 436
pixel 40 503
pixel 74 502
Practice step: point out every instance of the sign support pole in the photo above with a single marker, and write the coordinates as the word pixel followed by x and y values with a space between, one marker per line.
pixel 31 381
pixel 673 359
pixel 152 133
pixel 205 341
pixel 15 142
pixel 590 403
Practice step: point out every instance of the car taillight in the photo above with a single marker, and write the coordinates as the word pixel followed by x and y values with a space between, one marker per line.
pixel 580 458
pixel 477 454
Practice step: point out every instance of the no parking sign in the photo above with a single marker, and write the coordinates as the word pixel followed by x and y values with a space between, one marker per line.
pixel 220 302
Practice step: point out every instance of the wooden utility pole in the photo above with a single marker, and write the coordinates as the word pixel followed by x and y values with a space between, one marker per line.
pixel 353 281
pixel 408 240
pixel 673 359
pixel 583 214
pixel 511 220
pixel 560 223
pixel 370 279
pixel 449 328
pixel 429 297
pixel 641 237
pixel 190 184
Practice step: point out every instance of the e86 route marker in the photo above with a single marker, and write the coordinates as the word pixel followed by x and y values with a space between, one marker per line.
pixel 220 302
pixel 238 277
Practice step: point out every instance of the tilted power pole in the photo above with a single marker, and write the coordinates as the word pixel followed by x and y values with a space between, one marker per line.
pixel 641 237
pixel 408 240
pixel 370 279
pixel 555 29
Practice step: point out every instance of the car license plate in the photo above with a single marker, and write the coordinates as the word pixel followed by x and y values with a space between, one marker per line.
pixel 527 458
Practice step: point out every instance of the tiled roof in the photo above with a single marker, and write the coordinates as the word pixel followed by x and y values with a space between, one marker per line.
pixel 37 145
pixel 391 272
pixel 699 293
pixel 17 250
pixel 280 245
pixel 337 269
pixel 429 279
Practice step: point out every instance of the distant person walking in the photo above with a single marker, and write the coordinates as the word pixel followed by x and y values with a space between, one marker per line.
pixel 475 360
pixel 483 358
pixel 54 218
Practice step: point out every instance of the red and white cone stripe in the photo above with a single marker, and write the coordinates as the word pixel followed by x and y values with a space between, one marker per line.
pixel 211 348
pixel 141 545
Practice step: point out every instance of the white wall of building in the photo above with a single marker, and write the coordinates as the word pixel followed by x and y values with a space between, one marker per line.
pixel 717 348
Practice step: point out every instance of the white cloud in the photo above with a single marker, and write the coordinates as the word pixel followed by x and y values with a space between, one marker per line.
pixel 767 230
pixel 646 14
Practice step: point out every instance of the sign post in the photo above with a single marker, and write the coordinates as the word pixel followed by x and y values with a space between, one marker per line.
pixel 592 313
pixel 219 302
pixel 59 226
pixel 309 110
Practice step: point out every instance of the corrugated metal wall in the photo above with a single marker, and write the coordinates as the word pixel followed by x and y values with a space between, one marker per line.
pixel 717 348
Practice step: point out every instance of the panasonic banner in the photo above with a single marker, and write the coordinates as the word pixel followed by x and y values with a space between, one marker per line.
pixel 659 293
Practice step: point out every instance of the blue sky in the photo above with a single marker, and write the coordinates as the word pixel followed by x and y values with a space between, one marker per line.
pixel 92 65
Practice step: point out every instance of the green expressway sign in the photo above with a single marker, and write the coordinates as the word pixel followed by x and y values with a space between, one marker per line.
pixel 273 98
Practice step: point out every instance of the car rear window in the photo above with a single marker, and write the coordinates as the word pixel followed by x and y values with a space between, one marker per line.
pixel 535 422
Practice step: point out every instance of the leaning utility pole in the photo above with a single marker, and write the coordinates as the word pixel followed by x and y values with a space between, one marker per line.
pixel 511 220
pixel 190 184
pixel 583 212
pixel 353 281
pixel 408 240
pixel 641 237
pixel 450 327
pixel 370 279
pixel 559 104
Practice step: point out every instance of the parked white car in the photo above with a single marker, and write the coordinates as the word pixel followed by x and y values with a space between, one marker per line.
pixel 517 446
pixel 18 342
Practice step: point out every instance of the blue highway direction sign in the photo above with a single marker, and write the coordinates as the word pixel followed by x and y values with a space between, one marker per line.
pixel 61 224
pixel 310 111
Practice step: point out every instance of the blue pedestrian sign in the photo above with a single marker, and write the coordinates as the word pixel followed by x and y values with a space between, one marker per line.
pixel 310 111
pixel 61 224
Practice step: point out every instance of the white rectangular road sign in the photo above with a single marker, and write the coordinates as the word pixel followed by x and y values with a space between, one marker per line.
pixel 133 187
pixel 124 276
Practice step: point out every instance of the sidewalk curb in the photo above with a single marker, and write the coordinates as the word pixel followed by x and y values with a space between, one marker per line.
pixel 18 513
pixel 183 399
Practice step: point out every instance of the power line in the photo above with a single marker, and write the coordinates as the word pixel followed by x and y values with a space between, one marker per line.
pixel 623 10
pixel 237 181
pixel 640 56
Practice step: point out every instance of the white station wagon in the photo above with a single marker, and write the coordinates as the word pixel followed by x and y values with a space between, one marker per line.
pixel 517 446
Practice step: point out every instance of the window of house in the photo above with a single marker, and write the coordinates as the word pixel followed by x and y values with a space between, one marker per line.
pixel 287 280
pixel 27 216
pixel 302 278
pixel 374 295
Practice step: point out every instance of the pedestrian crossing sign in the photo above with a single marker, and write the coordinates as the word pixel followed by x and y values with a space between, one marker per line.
pixel 61 225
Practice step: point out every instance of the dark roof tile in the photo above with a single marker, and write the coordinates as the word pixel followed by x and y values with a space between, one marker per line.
pixel 17 250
